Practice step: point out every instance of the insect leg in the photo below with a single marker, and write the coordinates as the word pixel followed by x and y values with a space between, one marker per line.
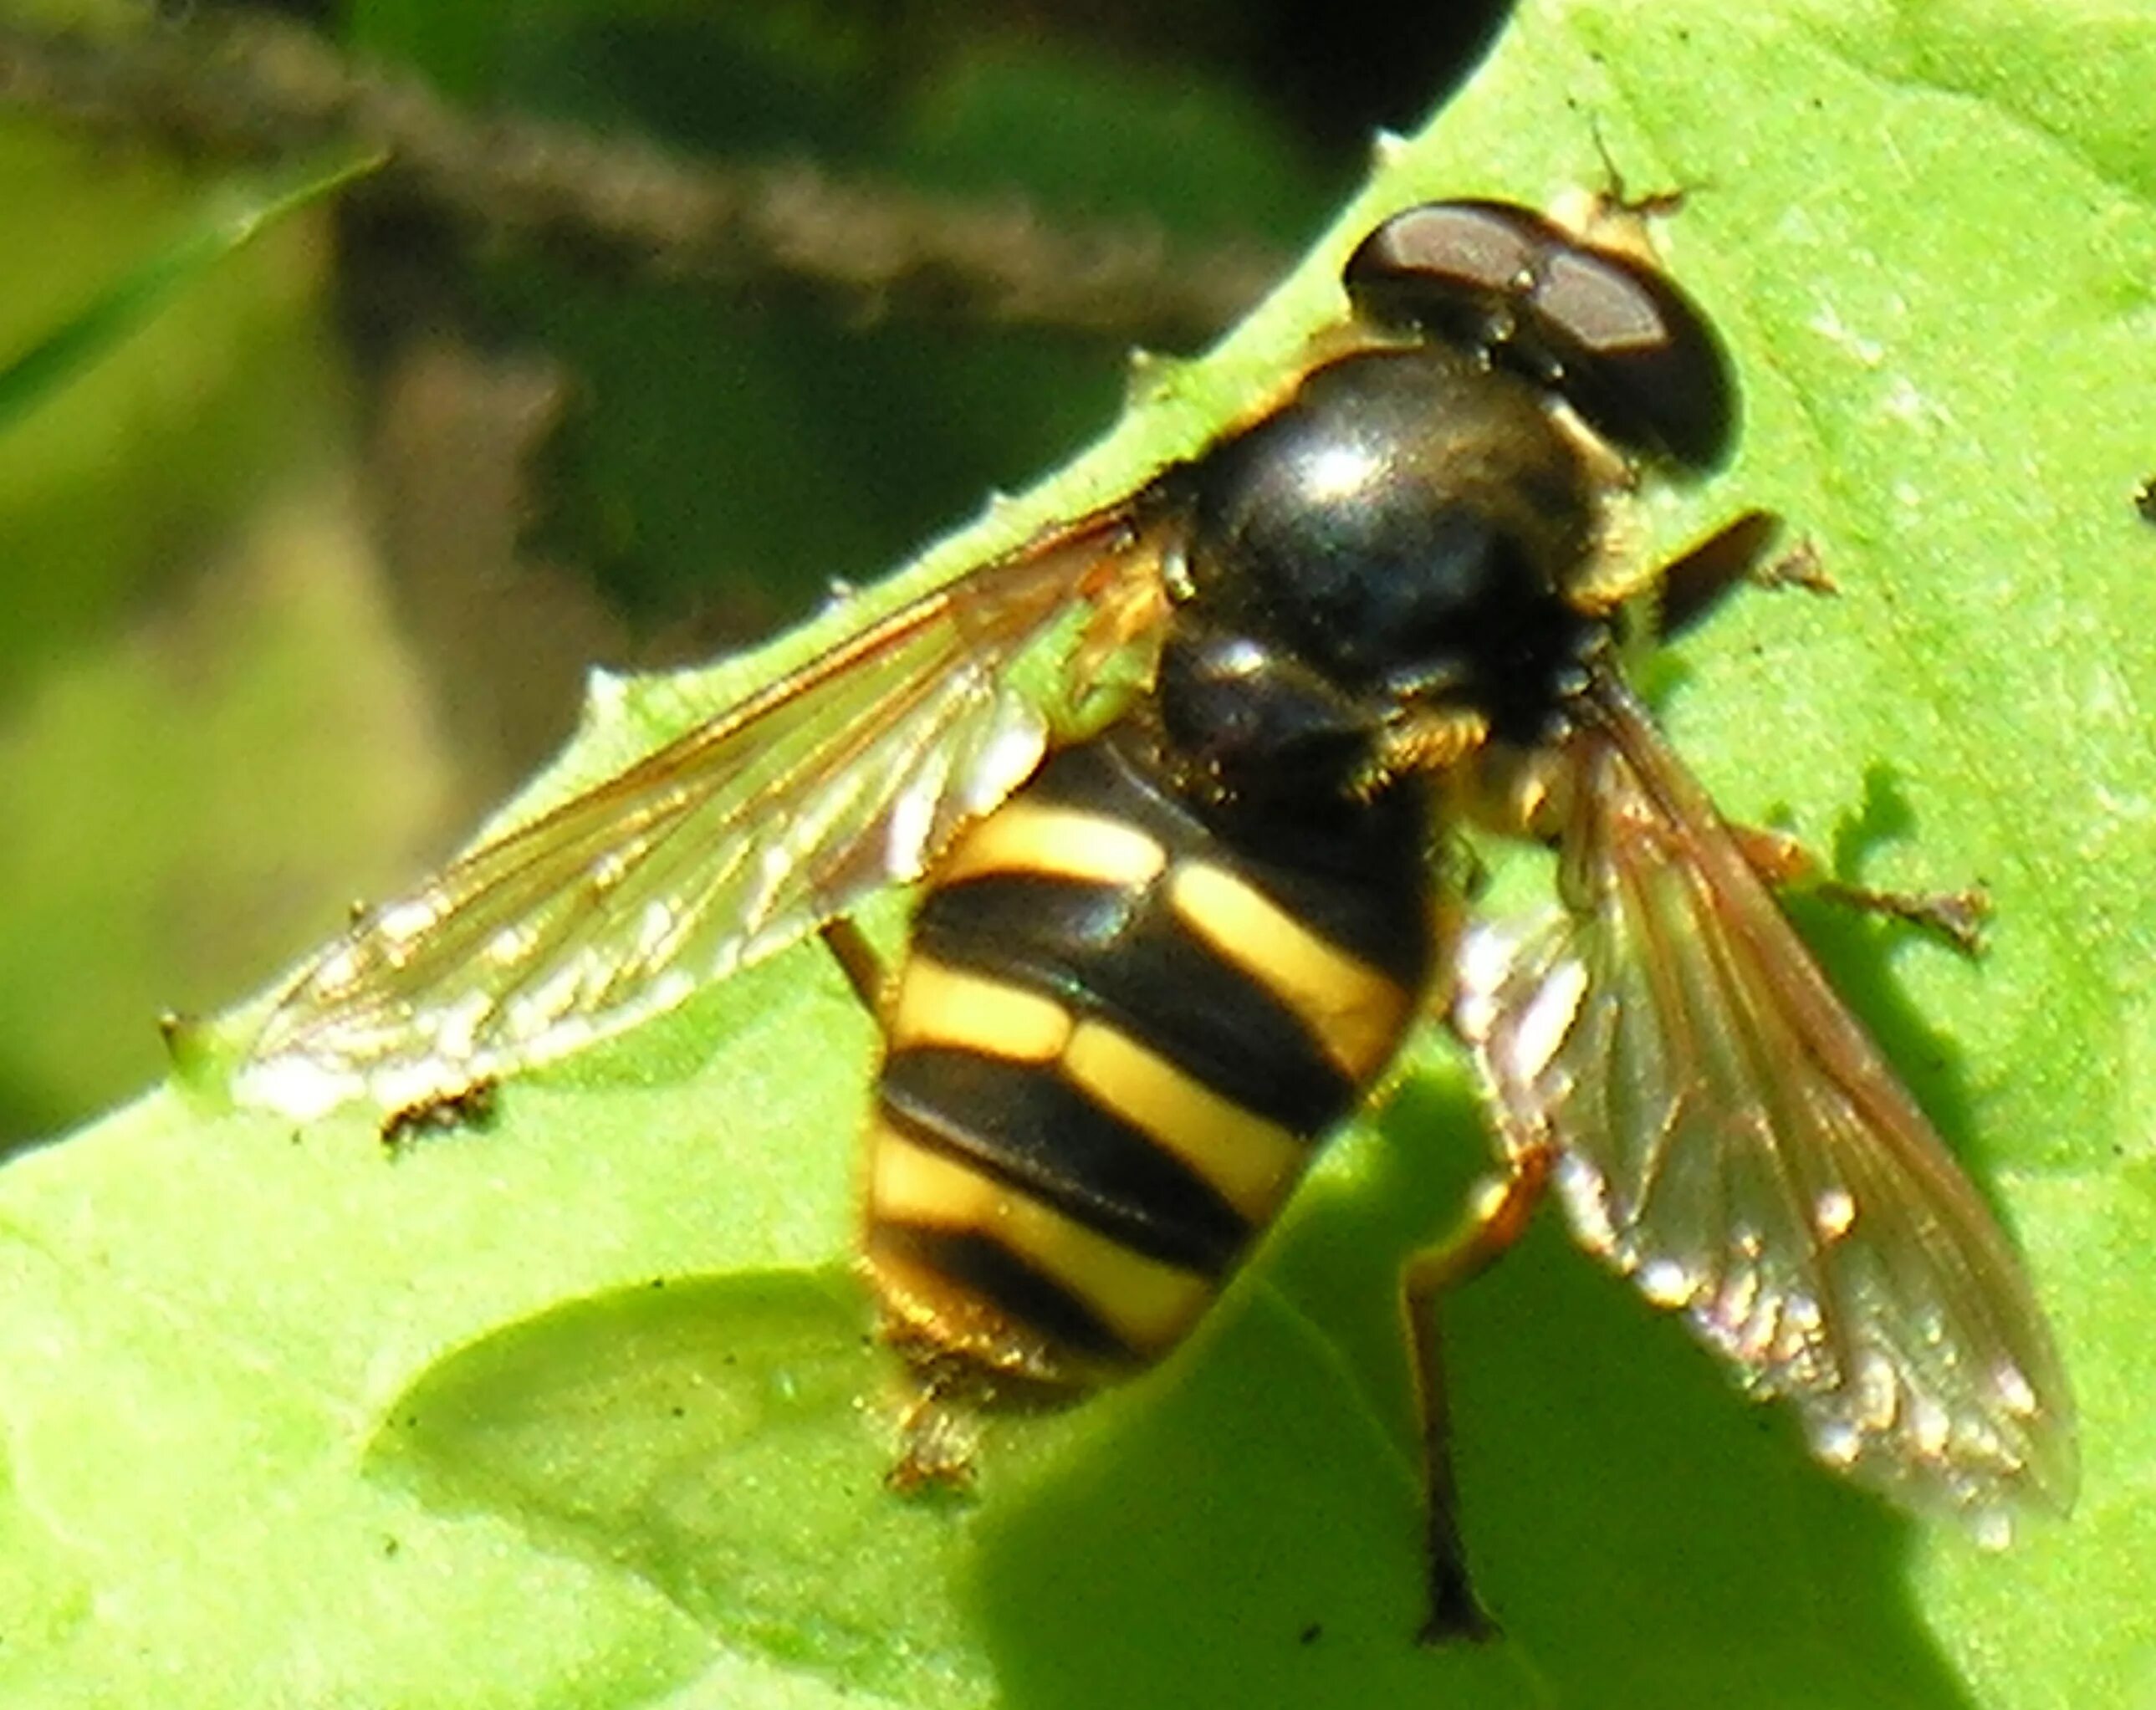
pixel 1786 865
pixel 1498 1218
pixel 937 1433
pixel 1691 585
pixel 950 1398
pixel 858 960
pixel 474 1107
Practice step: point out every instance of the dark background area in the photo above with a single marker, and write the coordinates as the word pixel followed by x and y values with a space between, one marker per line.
pixel 308 574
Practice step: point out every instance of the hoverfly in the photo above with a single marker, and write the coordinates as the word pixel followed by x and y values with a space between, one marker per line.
pixel 1159 953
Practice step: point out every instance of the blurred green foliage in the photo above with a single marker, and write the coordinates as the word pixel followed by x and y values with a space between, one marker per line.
pixel 711 461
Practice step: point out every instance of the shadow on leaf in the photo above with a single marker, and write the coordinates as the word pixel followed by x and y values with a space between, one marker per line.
pixel 719 1438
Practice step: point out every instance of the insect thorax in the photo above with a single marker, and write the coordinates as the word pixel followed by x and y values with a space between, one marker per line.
pixel 1409 529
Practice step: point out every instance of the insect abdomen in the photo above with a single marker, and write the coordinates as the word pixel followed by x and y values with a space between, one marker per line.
pixel 1121 1027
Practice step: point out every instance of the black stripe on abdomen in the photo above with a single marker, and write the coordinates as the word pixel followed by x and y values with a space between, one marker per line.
pixel 1117 1036
pixel 982 1267
pixel 1110 951
pixel 1025 1125
pixel 1359 875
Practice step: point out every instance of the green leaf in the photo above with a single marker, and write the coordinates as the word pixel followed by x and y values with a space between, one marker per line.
pixel 288 1422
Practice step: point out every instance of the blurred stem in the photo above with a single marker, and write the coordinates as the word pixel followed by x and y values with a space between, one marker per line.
pixel 246 87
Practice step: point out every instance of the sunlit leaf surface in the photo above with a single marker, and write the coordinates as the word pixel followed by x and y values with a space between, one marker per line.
pixel 290 1424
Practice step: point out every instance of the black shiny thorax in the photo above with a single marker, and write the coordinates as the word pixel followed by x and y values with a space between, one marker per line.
pixel 1402 535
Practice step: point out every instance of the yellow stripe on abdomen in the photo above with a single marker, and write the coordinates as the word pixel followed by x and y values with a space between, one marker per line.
pixel 937 1005
pixel 1356 1012
pixel 1147 1304
pixel 1250 1163
pixel 1043 840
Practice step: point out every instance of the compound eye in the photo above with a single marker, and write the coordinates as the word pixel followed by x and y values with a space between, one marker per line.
pixel 1455 268
pixel 1615 339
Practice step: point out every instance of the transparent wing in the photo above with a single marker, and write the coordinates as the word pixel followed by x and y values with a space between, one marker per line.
pixel 1726 1136
pixel 732 841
